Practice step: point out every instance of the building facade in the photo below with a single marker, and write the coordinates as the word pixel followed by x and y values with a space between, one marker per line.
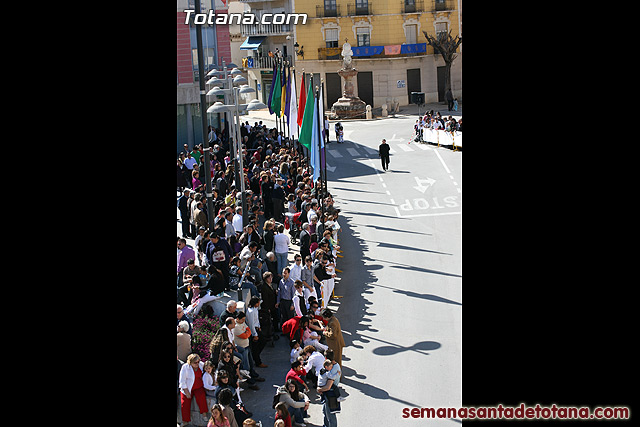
pixel 390 50
pixel 255 46
pixel 215 42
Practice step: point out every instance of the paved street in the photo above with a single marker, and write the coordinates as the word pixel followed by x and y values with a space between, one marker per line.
pixel 401 284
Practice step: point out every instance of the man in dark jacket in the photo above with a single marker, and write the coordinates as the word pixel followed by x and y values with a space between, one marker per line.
pixel 184 212
pixel 219 253
pixel 449 97
pixel 383 152
pixel 222 185
pixel 266 188
pixel 305 240
pixel 278 196
pixel 268 305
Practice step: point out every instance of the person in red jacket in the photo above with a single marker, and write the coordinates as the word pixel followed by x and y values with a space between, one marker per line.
pixel 292 326
pixel 297 373
pixel 283 414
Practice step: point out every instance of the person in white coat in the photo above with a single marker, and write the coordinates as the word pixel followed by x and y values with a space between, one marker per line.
pixel 191 385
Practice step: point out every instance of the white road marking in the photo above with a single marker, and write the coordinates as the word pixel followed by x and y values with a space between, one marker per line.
pixel 422 188
pixel 353 151
pixel 405 147
pixel 393 138
pixel 428 214
pixel 334 153
pixel 442 161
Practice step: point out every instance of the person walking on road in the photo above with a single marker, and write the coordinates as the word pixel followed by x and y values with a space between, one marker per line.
pixel 383 152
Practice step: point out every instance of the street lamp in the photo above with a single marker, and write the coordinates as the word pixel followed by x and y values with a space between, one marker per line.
pixel 234 109
pixel 226 73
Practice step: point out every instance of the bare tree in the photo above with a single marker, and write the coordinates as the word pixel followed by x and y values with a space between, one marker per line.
pixel 446 45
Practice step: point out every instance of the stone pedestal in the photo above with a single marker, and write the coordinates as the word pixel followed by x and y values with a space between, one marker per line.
pixel 348 106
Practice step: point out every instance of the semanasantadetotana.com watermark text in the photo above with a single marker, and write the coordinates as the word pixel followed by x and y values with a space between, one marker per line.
pixel 211 17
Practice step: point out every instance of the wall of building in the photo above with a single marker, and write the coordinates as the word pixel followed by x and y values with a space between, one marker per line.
pixel 387 24
pixel 387 72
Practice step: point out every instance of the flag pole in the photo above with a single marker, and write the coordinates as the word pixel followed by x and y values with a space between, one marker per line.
pixel 324 149
pixel 283 107
pixel 316 99
pixel 280 89
pixel 311 92
pixel 286 109
pixel 302 86
pixel 320 191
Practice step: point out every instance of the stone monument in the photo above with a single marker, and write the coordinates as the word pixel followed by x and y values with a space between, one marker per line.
pixel 348 106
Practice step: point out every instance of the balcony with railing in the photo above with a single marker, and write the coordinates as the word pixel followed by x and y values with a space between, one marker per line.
pixel 325 12
pixel 265 62
pixel 359 8
pixel 442 5
pixel 266 30
pixel 327 53
pixel 412 6
pixel 377 52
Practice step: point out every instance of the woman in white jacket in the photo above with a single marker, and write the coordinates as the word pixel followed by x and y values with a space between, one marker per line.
pixel 191 385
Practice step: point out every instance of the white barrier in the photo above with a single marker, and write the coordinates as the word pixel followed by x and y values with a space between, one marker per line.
pixel 442 137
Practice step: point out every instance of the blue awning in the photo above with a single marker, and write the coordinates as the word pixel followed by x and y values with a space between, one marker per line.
pixel 252 43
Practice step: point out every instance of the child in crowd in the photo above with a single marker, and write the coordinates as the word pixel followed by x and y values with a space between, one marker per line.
pixel 283 414
pixel 296 350
pixel 217 417
pixel 310 337
pixel 208 380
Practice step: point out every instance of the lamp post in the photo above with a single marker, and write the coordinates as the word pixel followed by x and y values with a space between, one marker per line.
pixel 234 109
pixel 205 134
pixel 225 92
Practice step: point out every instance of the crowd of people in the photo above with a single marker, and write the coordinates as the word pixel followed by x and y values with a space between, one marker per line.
pixel 434 120
pixel 287 300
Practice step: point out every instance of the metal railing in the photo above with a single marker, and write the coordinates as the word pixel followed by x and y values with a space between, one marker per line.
pixel 333 53
pixel 325 53
pixel 442 5
pixel 322 12
pixel 354 9
pixel 265 30
pixel 262 62
pixel 411 6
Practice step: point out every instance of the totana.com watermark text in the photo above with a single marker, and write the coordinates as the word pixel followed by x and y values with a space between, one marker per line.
pixel 244 18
